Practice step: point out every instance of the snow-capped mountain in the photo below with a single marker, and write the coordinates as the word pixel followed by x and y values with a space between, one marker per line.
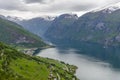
pixel 60 25
pixel 13 18
pixel 100 26
pixel 49 18
pixel 3 17
pixel 37 25
pixel 109 8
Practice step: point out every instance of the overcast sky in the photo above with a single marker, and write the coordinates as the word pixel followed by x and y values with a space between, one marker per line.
pixel 33 8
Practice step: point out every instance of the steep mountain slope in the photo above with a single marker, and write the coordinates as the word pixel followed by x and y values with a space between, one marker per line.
pixel 37 25
pixel 14 34
pixel 60 25
pixel 101 26
pixel 15 65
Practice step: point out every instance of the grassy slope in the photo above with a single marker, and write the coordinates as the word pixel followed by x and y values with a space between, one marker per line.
pixel 11 33
pixel 18 66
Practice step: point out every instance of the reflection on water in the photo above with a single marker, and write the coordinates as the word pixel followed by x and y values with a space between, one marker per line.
pixel 88 68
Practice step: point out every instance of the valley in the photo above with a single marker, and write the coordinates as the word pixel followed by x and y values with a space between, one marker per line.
pixel 17 61
pixel 59 40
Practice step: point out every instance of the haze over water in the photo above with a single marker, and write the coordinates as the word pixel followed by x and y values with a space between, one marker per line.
pixel 88 68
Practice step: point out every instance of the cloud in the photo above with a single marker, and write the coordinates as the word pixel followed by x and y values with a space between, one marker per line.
pixel 38 1
pixel 63 6
pixel 12 5
pixel 71 7
pixel 52 6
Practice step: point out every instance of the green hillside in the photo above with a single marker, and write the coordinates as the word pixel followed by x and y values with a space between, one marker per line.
pixel 18 66
pixel 14 34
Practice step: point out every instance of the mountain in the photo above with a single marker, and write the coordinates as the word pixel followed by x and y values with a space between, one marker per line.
pixel 99 26
pixel 40 25
pixel 37 25
pixel 14 34
pixel 60 25
pixel 13 19
pixel 15 65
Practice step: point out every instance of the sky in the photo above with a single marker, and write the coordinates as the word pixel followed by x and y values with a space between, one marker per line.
pixel 35 8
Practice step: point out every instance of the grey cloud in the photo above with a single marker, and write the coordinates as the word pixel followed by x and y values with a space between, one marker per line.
pixel 82 7
pixel 70 7
pixel 20 8
pixel 12 5
pixel 53 6
pixel 38 1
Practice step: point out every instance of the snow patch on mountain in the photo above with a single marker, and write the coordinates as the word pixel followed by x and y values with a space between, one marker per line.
pixel 13 18
pixel 109 9
pixel 48 18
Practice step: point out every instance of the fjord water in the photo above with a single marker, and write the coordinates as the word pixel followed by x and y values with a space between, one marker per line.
pixel 88 68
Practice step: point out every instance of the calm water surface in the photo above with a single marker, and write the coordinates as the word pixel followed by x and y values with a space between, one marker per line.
pixel 88 68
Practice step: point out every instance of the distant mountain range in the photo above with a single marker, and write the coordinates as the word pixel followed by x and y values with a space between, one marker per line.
pixel 37 25
pixel 99 26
